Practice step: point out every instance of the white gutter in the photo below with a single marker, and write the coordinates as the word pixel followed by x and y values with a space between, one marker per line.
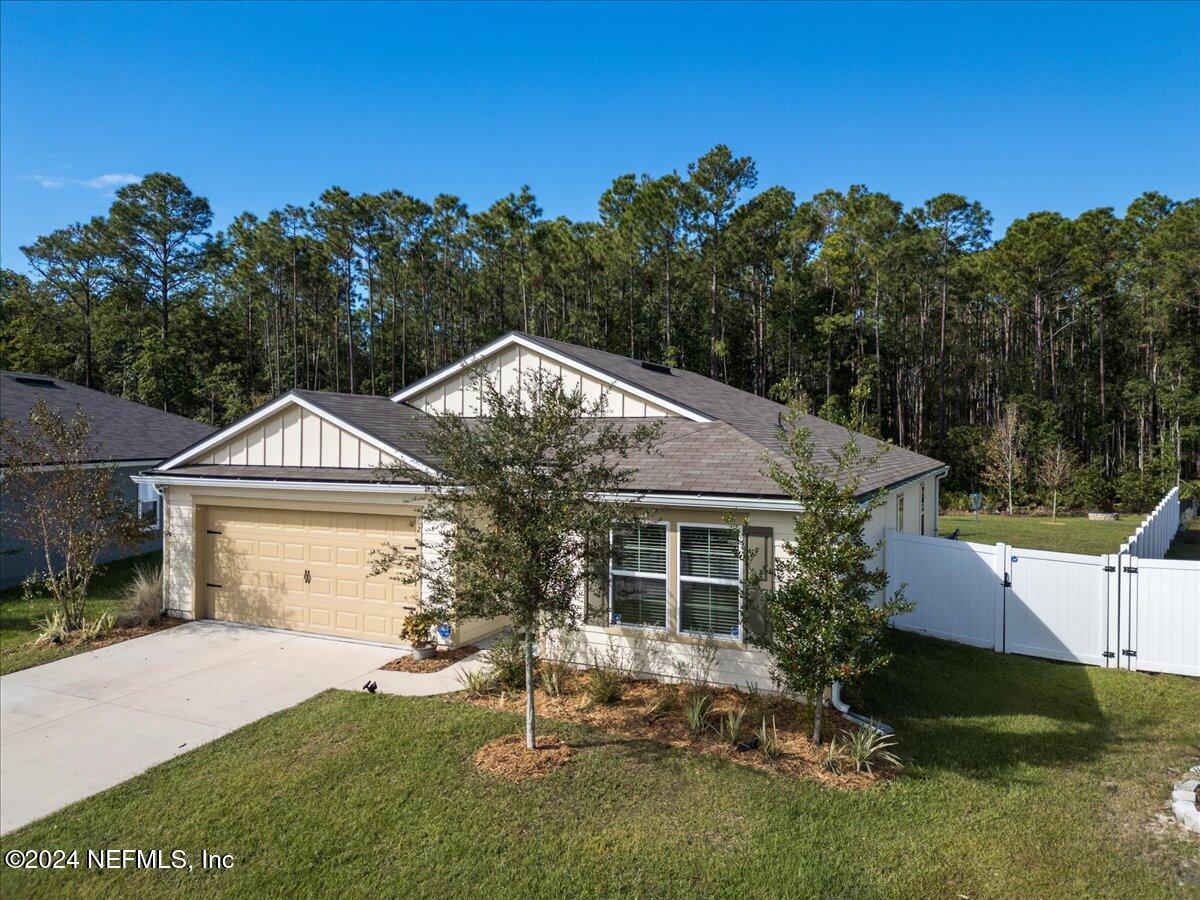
pixel 836 701
pixel 355 486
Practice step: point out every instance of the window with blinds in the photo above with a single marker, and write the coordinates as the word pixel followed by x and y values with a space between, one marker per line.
pixel 638 576
pixel 710 580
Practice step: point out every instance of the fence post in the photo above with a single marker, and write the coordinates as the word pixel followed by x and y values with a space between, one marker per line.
pixel 1000 567
pixel 1112 609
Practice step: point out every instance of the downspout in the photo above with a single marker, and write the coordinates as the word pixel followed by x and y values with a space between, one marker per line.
pixel 835 699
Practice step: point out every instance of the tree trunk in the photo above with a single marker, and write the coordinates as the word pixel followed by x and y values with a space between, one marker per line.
pixel 530 741
pixel 817 706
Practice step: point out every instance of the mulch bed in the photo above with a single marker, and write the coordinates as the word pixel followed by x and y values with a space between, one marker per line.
pixel 442 659
pixel 651 710
pixel 117 635
pixel 508 758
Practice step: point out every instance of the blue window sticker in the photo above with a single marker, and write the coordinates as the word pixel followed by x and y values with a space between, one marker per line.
pixel 443 631
pixel 735 631
pixel 616 619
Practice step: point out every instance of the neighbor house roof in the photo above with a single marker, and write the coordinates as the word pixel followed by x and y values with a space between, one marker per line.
pixel 722 450
pixel 121 430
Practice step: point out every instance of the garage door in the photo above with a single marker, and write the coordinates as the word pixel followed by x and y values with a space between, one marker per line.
pixel 307 571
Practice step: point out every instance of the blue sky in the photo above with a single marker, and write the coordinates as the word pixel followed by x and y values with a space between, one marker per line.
pixel 1022 107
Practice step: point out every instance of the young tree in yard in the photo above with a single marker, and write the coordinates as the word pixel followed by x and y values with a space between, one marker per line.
pixel 517 503
pixel 1005 454
pixel 1058 467
pixel 822 624
pixel 68 509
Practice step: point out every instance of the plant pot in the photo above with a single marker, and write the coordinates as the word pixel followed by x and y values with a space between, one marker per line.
pixel 423 652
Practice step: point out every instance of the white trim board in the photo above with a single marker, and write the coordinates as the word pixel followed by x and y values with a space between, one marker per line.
pixel 264 412
pixel 255 483
pixel 419 387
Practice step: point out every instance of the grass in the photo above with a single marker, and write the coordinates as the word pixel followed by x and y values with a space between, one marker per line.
pixel 1187 544
pixel 1023 778
pixel 1068 534
pixel 19 617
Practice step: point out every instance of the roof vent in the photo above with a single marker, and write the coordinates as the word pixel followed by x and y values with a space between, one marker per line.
pixel 655 367
pixel 36 380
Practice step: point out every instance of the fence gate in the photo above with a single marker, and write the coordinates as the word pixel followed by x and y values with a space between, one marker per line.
pixel 1059 606
pixel 1160 615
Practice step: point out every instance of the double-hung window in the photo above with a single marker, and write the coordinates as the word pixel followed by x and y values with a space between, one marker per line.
pixel 638 576
pixel 710 580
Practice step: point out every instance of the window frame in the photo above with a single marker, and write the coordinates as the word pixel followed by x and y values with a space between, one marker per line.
pixel 665 576
pixel 900 511
pixel 922 507
pixel 680 578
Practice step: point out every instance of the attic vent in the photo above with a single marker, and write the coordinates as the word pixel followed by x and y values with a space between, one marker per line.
pixel 35 380
pixel 655 367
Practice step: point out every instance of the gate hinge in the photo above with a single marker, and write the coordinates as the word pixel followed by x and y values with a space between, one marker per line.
pixel 1007 581
pixel 1132 570
pixel 1129 653
pixel 1108 654
pixel 1110 568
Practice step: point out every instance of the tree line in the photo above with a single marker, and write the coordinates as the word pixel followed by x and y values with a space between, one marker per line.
pixel 918 324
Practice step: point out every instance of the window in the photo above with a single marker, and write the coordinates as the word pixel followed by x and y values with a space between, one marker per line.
pixel 899 512
pixel 638 576
pixel 710 580
pixel 147 506
pixel 922 508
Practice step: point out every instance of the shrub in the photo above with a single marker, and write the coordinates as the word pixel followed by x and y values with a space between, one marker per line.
pixel 506 661
pixel 418 627
pixel 696 709
pixel 768 740
pixel 97 628
pixel 476 682
pixel 142 600
pixel 553 677
pixel 665 699
pixel 835 756
pixel 605 685
pixel 730 725
pixel 866 747
pixel 52 629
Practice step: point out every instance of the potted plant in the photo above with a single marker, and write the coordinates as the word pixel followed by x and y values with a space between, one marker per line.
pixel 417 630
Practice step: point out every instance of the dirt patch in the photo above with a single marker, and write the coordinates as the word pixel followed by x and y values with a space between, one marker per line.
pixel 117 635
pixel 652 711
pixel 443 659
pixel 508 758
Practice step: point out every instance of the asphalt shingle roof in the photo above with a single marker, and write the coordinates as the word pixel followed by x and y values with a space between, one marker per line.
pixel 725 456
pixel 120 429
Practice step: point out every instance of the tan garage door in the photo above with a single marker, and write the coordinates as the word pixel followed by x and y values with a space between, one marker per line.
pixel 307 571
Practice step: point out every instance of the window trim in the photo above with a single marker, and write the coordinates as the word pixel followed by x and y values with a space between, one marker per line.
pixel 740 584
pixel 900 511
pixel 922 507
pixel 612 572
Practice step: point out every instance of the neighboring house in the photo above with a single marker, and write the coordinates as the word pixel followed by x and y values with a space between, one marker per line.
pixel 125 435
pixel 271 520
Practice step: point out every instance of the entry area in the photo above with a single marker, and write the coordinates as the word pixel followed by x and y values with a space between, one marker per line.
pixel 305 570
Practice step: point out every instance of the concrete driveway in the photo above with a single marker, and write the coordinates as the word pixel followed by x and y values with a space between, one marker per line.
pixel 71 728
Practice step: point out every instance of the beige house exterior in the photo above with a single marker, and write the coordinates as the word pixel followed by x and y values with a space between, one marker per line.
pixel 272 520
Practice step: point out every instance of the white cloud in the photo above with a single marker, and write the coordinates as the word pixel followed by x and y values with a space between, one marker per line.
pixel 99 183
pixel 111 179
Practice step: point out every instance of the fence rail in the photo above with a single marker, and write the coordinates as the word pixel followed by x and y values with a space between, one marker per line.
pixel 1131 609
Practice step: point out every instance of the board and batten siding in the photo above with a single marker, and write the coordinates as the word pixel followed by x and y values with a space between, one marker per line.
pixel 297 437
pixel 508 368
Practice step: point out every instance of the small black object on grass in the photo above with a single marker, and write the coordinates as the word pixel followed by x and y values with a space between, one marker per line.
pixel 746 746
pixel 370 687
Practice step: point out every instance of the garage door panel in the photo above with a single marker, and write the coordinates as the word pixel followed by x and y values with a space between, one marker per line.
pixel 264 554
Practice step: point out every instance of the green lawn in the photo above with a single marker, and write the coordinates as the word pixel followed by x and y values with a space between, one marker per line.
pixel 1023 778
pixel 1187 545
pixel 1074 534
pixel 19 617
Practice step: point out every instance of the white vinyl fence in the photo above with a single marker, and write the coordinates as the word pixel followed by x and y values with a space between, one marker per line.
pixel 1129 610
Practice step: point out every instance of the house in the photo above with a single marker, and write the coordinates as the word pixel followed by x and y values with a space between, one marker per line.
pixel 125 435
pixel 271 520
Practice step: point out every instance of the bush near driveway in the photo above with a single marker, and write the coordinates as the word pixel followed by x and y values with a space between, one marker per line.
pixel 1005 792
pixel 19 617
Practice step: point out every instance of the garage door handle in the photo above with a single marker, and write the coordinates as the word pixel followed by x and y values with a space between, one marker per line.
pixel 210 584
pixel 307 577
